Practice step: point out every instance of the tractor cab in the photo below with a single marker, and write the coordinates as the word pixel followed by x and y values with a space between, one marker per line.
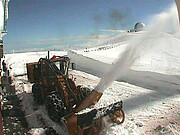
pixel 62 63
pixel 57 65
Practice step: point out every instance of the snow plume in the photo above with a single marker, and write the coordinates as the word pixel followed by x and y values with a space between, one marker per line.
pixel 125 62
pixel 166 21
pixel 163 22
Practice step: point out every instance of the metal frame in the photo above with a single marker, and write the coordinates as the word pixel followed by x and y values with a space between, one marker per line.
pixel 178 8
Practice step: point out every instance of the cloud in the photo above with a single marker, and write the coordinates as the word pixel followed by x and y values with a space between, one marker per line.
pixel 53 43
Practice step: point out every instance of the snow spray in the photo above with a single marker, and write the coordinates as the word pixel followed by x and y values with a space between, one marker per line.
pixel 166 21
pixel 124 63
pixel 137 44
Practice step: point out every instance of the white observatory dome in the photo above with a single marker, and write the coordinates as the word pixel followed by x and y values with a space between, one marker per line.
pixel 139 26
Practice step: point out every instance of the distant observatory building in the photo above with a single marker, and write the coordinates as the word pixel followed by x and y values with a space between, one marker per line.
pixel 139 27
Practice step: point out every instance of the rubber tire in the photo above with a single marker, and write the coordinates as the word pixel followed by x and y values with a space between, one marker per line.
pixel 55 107
pixel 34 89
pixel 37 93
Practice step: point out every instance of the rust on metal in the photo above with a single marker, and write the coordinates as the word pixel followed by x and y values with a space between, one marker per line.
pixel 118 117
pixel 90 100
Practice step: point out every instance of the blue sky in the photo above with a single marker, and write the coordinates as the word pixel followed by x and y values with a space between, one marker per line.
pixel 36 20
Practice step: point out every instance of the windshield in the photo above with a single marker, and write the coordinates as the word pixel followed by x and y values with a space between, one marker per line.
pixel 61 65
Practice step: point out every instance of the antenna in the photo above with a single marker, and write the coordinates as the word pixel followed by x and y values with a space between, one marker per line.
pixel 48 54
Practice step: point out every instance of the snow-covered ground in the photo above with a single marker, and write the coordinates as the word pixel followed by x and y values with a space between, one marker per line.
pixel 150 87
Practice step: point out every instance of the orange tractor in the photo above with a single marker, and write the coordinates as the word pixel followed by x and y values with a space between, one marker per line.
pixel 64 100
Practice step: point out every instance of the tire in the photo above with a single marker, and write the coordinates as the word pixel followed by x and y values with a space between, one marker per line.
pixel 36 90
pixel 55 107
pixel 50 131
